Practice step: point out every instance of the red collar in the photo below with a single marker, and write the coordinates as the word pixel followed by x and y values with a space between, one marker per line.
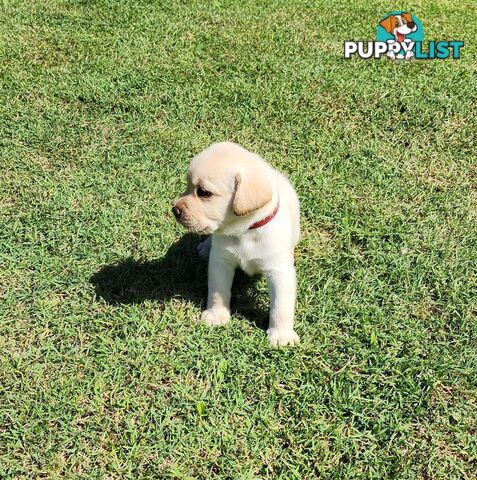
pixel 265 220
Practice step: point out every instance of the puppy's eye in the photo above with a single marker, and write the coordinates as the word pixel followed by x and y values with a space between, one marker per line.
pixel 202 192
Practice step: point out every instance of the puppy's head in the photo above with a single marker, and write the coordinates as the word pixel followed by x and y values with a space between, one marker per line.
pixel 399 25
pixel 225 183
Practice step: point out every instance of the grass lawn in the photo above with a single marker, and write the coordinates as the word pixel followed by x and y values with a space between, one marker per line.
pixel 105 372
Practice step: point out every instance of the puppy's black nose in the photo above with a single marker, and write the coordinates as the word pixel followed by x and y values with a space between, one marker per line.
pixel 176 211
pixel 411 25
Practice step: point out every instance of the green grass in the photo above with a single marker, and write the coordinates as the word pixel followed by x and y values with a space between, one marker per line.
pixel 104 371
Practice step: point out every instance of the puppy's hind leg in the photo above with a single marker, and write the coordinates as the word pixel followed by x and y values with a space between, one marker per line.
pixel 221 275
pixel 282 284
pixel 203 249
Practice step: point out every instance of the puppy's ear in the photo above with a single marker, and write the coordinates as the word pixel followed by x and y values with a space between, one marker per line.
pixel 251 193
pixel 388 23
pixel 407 16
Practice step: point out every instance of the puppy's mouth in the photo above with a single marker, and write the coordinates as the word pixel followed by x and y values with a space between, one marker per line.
pixel 193 227
pixel 200 231
pixel 404 30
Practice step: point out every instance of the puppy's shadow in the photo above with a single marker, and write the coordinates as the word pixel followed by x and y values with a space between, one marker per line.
pixel 178 274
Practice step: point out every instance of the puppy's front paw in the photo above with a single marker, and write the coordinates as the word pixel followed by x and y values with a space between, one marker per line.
pixel 282 337
pixel 216 316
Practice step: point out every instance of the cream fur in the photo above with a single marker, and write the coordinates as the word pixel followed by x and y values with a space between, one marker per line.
pixel 245 189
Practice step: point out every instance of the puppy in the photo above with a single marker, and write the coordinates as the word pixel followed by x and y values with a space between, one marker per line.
pixel 399 26
pixel 253 214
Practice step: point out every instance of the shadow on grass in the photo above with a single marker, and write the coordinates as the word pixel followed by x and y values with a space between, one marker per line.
pixel 178 274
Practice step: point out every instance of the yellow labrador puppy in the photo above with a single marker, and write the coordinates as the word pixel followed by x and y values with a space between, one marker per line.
pixel 253 214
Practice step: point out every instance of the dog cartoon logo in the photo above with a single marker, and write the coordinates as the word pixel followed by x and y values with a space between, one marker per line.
pixel 400 28
pixel 400 36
